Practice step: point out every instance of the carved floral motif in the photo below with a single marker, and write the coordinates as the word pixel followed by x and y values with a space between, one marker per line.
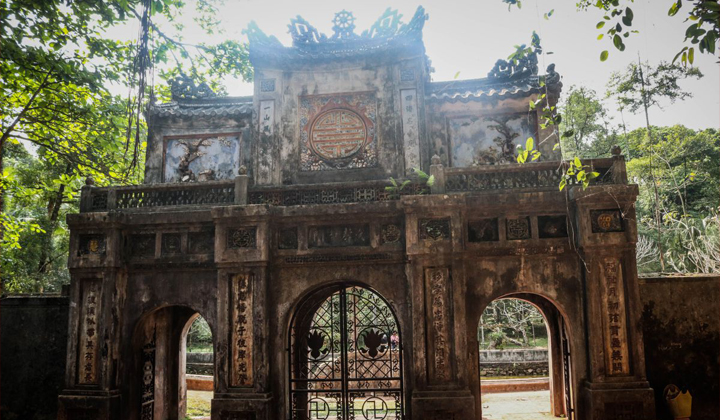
pixel 435 229
pixel 245 237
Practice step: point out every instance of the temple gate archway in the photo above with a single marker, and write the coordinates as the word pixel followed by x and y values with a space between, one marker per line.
pixel 345 357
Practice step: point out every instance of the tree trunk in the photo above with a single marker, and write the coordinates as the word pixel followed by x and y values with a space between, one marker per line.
pixel 54 205
pixel 658 221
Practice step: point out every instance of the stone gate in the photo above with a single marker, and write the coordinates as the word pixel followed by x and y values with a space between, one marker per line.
pixel 330 295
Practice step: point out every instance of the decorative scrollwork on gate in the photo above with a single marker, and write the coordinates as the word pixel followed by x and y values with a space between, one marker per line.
pixel 345 358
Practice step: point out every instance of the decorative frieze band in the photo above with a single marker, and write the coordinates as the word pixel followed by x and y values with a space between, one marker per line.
pixel 242 330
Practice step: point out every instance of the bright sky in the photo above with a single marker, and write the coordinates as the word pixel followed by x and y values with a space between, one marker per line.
pixel 469 36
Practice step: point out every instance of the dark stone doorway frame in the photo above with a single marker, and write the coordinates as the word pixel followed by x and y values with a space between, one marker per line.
pixel 161 335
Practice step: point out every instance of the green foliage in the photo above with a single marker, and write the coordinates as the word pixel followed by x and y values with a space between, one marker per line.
pixel 57 62
pixel 199 335
pixel 618 17
pixel 642 85
pixel 528 151
pixel 586 128
pixel 511 323
pixel 396 186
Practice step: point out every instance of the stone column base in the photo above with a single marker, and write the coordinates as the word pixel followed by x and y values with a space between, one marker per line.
pixel 618 402
pixel 80 405
pixel 443 405
pixel 244 406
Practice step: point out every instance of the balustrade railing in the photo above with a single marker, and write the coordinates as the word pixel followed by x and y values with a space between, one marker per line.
pixel 542 175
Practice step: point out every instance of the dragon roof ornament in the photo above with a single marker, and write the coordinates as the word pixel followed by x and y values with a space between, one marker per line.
pixel 183 87
pixel 387 27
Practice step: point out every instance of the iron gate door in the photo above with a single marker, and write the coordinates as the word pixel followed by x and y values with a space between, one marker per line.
pixel 346 359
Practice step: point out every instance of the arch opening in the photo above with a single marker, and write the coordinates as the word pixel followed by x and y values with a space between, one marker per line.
pixel 165 385
pixel 524 364
pixel 345 357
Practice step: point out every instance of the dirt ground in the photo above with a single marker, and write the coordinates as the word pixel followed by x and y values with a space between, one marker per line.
pixel 532 405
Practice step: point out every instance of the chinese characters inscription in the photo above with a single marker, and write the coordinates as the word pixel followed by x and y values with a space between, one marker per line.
pixel 242 330
pixel 88 350
pixel 436 279
pixel 616 349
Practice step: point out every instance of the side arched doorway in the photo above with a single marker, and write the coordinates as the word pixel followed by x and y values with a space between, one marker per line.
pixel 345 357
pixel 559 383
pixel 158 388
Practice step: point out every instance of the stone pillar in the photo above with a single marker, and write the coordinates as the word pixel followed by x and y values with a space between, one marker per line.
pixel 433 235
pixel 96 294
pixel 617 387
pixel 242 237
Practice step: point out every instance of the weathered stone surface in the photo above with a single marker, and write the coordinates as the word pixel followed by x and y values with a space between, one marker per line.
pixel 681 326
pixel 34 350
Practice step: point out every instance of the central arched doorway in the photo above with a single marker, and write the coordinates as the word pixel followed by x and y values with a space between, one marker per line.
pixel 529 376
pixel 345 357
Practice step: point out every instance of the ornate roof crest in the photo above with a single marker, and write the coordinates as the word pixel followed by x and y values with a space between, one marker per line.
pixel 258 37
pixel 387 26
pixel 515 69
pixel 183 87
pixel 344 25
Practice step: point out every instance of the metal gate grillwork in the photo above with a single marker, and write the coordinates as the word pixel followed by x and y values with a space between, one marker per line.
pixel 346 359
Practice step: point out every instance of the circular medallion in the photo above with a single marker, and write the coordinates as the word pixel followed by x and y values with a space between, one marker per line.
pixel 338 134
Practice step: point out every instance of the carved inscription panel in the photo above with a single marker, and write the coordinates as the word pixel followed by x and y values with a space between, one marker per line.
pixel 438 313
pixel 242 330
pixel 88 350
pixel 614 319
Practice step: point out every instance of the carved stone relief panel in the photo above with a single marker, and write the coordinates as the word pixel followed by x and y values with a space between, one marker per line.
pixel 142 245
pixel 288 238
pixel 489 140
pixel 435 229
pixel 411 134
pixel 338 131
pixel 91 245
pixel 338 236
pixel 552 227
pixel 244 237
pixel 518 228
pixel 483 230
pixel 171 244
pixel 267 85
pixel 614 318
pixel 147 401
pixel 241 286
pixel 606 221
pixel 201 157
pixel 391 234
pixel 438 313
pixel 407 75
pixel 89 344
pixel 202 242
